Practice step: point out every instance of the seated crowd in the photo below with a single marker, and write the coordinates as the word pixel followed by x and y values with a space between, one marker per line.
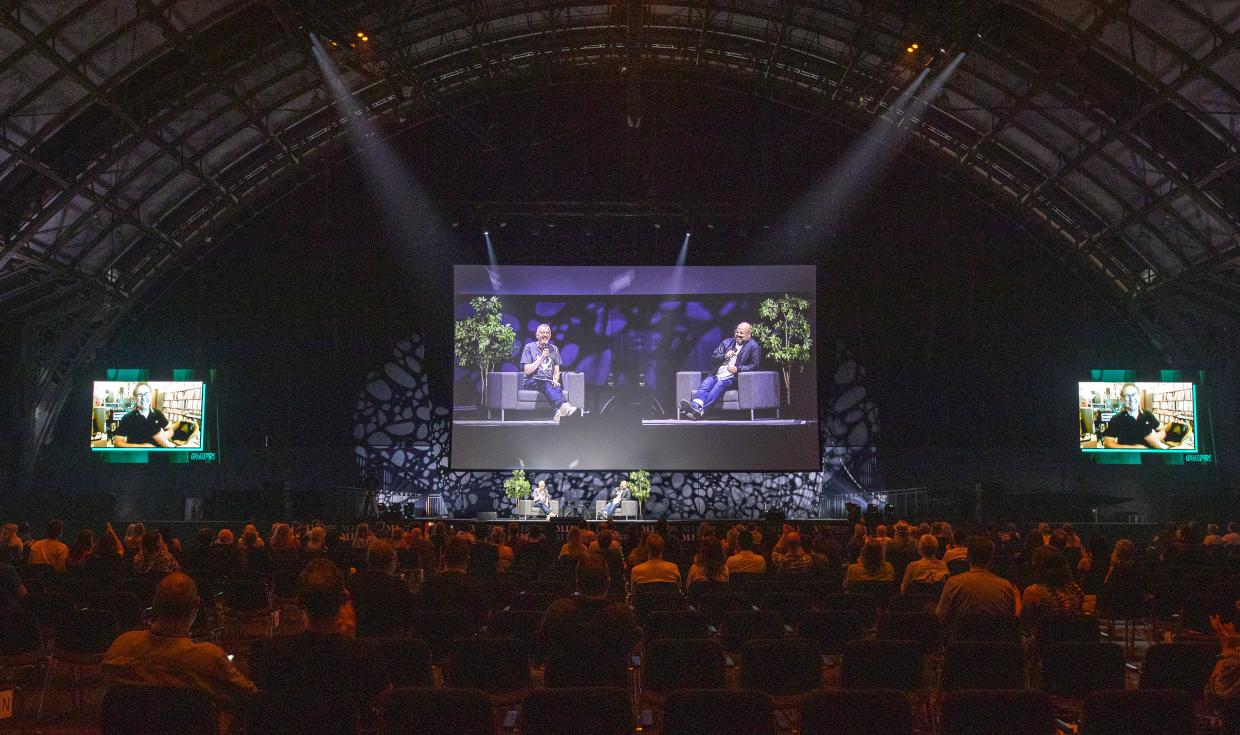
pixel 584 610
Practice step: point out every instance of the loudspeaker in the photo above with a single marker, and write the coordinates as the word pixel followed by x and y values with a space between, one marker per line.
pixel 488 516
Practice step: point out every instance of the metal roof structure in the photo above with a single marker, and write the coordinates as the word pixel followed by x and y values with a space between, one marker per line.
pixel 138 133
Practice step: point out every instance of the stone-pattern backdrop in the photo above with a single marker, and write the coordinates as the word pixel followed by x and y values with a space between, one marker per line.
pixel 403 439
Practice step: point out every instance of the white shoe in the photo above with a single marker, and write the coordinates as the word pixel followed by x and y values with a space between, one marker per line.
pixel 569 409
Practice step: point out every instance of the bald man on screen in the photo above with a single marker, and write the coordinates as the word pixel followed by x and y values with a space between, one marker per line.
pixel 737 354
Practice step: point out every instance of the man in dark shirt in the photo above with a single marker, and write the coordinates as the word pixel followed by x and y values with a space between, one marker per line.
pixel 453 588
pixel 587 638
pixel 320 680
pixel 145 425
pixel 380 599
pixel 1133 428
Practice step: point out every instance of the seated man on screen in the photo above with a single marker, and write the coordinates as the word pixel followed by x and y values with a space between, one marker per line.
pixel 144 426
pixel 735 355
pixel 1133 428
pixel 541 499
pixel 540 367
pixel 621 494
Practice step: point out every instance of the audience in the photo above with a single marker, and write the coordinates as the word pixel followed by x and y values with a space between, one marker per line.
pixel 792 559
pixel 153 560
pixel 654 569
pixel 573 548
pixel 381 600
pixel 745 560
pixel 1054 591
pixel 871 568
pixel 11 549
pixel 977 591
pixel 452 588
pixel 586 639
pixel 165 655
pixel 49 550
pixel 928 569
pixel 709 565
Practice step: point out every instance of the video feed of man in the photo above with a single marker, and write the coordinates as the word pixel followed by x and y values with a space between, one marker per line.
pixel 608 368
pixel 146 415
pixel 1137 416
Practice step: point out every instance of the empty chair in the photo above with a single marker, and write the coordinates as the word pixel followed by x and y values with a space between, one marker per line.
pixel 440 627
pixel 648 602
pixel 1146 712
pixel 880 592
pixel 126 605
pixel 863 605
pixel 498 666
pixel 80 640
pixel 789 605
pixel 521 624
pixel 702 587
pixel 51 609
pixel 406 660
pixel 536 601
pixel 572 711
pixel 882 665
pixel 675 624
pixel 131 709
pixel 1065 628
pixel 740 626
pixel 925 628
pixel 681 664
pixel 857 712
pixel 997 712
pixel 1073 670
pixel 833 629
pixel 714 604
pixel 436 712
pixel 558 587
pixel 740 580
pixel 911 603
pixel 645 587
pixel 983 665
pixel 787 669
pixel 718 712
pixel 1184 666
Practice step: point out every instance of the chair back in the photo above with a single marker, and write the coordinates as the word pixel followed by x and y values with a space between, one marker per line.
pixel 126 606
pixel 1147 712
pixel 857 712
pixel 782 667
pixel 982 627
pixel 832 629
pixel 911 603
pixel 406 660
pixel 718 712
pixel 682 664
pixel 494 665
pixel 429 711
pixel 882 665
pixel 863 605
pixel 86 632
pixel 1183 666
pixel 789 605
pixel 983 665
pixel 923 627
pixel 648 602
pixel 1075 669
pixel 536 601
pixel 741 626
pixel 715 604
pixel 997 712
pixel 137 709
pixel 675 624
pixel 576 710
pixel 880 591
pixel 19 633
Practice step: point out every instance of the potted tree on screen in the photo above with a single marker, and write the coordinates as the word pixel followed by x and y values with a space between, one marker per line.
pixel 639 485
pixel 516 486
pixel 784 334
pixel 484 340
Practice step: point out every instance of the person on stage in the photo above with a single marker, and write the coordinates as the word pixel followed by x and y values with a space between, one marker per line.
pixel 621 494
pixel 540 367
pixel 735 355
pixel 542 499
pixel 1133 428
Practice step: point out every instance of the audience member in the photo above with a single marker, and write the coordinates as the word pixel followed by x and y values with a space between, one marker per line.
pixel 165 655
pixel 654 569
pixel 745 560
pixel 503 552
pixel 978 590
pixel 709 564
pixel 792 559
pixel 49 550
pixel 1054 591
pixel 871 568
pixel 1223 687
pixel 852 549
pixel 133 540
pixel 573 548
pixel 588 626
pixel 453 588
pixel 11 549
pixel 1212 537
pixel 381 600
pixel 154 560
pixel 1232 537
pixel 672 546
pixel 928 569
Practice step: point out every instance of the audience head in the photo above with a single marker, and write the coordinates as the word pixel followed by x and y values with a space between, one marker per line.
pixel 902 529
pixel 710 556
pixel 205 536
pixel 1124 553
pixel 981 551
pixel 593 577
pixel 792 542
pixel 456 554
pixel 150 543
pixel 745 540
pixel 1232 527
pixel 603 538
pixel 176 601
pixel 1059 539
pixel 872 555
pixel 859 531
pixel 320 588
pixel 654 546
pixel 85 540
pixel 881 531
pixel 1050 567
pixel 54 529
pixel 927 545
pixel 497 535
pixel 1212 529
pixel 380 557
pixel 574 537
pixel 225 537
pixel 318 536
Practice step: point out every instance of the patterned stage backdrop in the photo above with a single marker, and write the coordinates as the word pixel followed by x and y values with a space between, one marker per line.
pixel 403 438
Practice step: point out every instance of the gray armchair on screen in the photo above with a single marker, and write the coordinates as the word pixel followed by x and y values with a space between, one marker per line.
pixel 755 390
pixel 504 393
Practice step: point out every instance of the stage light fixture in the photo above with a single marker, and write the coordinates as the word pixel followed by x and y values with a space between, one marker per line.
pixel 360 34
pixel 909 50
pixel 914 46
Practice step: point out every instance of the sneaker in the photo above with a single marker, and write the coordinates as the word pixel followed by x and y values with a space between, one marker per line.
pixel 689 411
pixel 558 415
pixel 570 409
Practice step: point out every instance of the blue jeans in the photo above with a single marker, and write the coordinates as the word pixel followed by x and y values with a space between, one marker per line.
pixel 711 388
pixel 610 508
pixel 546 509
pixel 554 394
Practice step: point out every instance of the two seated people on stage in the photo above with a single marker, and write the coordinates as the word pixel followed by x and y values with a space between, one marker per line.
pixel 540 499
pixel 540 378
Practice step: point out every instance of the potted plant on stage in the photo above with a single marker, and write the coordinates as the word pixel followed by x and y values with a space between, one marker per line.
pixel 639 486
pixel 516 486
pixel 784 334
pixel 484 340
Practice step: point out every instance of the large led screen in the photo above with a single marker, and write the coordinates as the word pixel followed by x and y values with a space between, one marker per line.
pixel 620 368
pixel 1137 416
pixel 147 415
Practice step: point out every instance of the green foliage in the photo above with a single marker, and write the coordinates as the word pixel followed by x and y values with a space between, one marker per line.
pixel 484 340
pixel 784 334
pixel 516 486
pixel 639 485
